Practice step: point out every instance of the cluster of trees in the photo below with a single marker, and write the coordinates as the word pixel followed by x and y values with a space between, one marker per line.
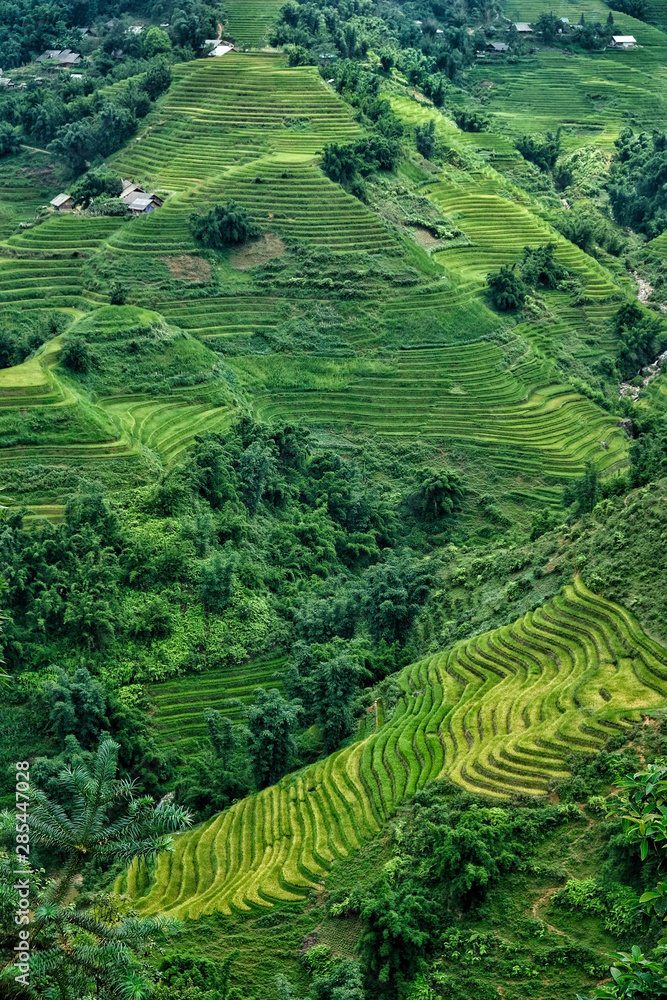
pixel 90 820
pixel 21 334
pixel 589 35
pixel 224 226
pixel 641 337
pixel 538 269
pixel 590 230
pixel 637 182
pixel 348 163
pixel 430 51
pixel 28 29
pixel 453 849
pixel 543 151
pixel 254 515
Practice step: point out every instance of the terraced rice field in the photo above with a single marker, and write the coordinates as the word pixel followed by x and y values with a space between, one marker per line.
pixel 166 425
pixel 594 94
pixel 248 21
pixel 224 112
pixel 465 393
pixel 292 198
pixel 497 714
pixel 179 705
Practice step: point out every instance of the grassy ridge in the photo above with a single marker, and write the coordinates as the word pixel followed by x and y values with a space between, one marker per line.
pixel 498 714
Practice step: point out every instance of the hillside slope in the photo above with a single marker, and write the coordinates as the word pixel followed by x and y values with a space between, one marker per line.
pixel 497 714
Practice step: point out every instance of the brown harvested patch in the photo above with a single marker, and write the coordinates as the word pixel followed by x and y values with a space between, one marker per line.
pixel 188 268
pixel 258 252
pixel 425 239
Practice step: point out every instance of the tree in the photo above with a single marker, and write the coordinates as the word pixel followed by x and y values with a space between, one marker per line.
pixel 542 151
pixel 440 494
pixel 387 59
pixel 425 139
pixel 216 582
pixel 271 723
pixel 189 977
pixel 584 493
pixel 549 26
pixel 71 144
pixel 78 705
pixel 339 162
pixel 399 926
pixel 218 774
pixel 113 126
pixel 76 356
pixel 155 42
pixel 344 983
pixel 335 683
pixel 117 294
pixel 95 941
pixel 471 121
pixel 9 139
pixel 157 80
pixel 393 594
pixel 224 226
pixel 94 183
pixel 506 289
pixel 254 468
pixel 641 336
pixel 539 267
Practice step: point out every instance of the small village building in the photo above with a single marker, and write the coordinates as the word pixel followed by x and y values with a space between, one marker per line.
pixel 622 41
pixel 142 203
pixel 130 191
pixel 497 47
pixel 6 82
pixel 135 29
pixel 523 27
pixel 220 48
pixel 49 55
pixel 68 58
pixel 62 203
pixel 60 57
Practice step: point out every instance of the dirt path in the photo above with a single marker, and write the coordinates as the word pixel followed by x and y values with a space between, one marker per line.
pixel 545 898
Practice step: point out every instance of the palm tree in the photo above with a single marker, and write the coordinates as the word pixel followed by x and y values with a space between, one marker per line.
pixel 95 939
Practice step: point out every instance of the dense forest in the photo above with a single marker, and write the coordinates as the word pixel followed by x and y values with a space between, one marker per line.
pixel 333 513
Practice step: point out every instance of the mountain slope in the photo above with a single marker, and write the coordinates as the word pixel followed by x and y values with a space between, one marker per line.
pixel 497 714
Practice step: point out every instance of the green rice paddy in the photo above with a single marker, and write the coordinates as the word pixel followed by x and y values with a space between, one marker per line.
pixel 497 714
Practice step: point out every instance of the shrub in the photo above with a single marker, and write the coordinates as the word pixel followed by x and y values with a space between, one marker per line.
pixel 224 226
pixel 506 289
pixel 9 139
pixel 76 356
pixel 543 152
pixel 425 139
pixel 471 121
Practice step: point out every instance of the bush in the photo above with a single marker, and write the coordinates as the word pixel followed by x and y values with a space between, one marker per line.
pixel 425 139
pixel 471 121
pixel 506 289
pixel 224 226
pixel 9 139
pixel 543 152
pixel 76 356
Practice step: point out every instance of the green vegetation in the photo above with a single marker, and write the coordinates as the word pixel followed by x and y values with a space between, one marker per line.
pixel 332 498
